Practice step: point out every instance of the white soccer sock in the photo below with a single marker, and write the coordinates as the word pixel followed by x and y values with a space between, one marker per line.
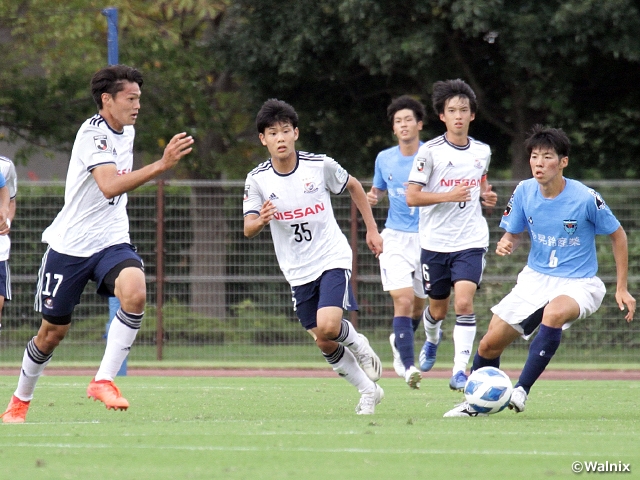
pixel 30 371
pixel 463 337
pixel 349 337
pixel 431 327
pixel 122 332
pixel 347 367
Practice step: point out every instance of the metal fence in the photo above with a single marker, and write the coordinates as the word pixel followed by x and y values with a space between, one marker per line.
pixel 215 297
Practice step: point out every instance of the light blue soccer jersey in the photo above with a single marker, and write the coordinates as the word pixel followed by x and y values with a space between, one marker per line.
pixel 562 229
pixel 392 174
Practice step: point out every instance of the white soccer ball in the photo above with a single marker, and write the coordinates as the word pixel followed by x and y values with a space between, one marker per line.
pixel 488 390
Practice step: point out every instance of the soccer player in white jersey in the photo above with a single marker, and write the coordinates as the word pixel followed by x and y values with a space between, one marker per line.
pixel 400 262
pixel 558 285
pixel 290 192
pixel 8 171
pixel 89 238
pixel 449 182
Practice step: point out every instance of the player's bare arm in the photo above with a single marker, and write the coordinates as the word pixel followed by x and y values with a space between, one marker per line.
pixel 508 243
pixel 254 224
pixel 4 210
pixel 375 195
pixel 111 184
pixel 417 198
pixel 359 197
pixel 10 217
pixel 621 256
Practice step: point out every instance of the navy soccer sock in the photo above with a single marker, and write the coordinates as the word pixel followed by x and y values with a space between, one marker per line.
pixel 416 322
pixel 541 351
pixel 479 362
pixel 403 329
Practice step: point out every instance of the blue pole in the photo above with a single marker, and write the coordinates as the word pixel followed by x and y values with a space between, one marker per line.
pixel 112 34
pixel 114 305
pixel 112 58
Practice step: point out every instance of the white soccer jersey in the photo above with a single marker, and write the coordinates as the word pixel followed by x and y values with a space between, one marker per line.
pixel 306 236
pixel 8 170
pixel 89 222
pixel 438 167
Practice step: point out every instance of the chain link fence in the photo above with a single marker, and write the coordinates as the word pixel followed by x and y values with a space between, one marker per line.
pixel 216 297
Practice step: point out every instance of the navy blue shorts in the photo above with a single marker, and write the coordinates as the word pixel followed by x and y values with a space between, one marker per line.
pixel 5 280
pixel 62 278
pixel 331 289
pixel 441 270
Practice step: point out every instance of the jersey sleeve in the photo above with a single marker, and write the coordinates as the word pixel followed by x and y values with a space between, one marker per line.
pixel 378 178
pixel 252 200
pixel 513 218
pixel 94 148
pixel 422 167
pixel 601 215
pixel 335 176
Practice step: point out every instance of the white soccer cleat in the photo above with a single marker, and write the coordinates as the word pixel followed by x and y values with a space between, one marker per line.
pixel 368 360
pixel 464 410
pixel 398 366
pixel 368 401
pixel 412 376
pixel 518 400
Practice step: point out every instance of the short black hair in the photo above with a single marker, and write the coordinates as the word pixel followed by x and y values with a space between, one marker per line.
pixel 448 89
pixel 548 138
pixel 275 111
pixel 406 102
pixel 111 80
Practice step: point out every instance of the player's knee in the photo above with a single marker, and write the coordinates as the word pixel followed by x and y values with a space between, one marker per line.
pixel 133 299
pixel 489 348
pixel 48 340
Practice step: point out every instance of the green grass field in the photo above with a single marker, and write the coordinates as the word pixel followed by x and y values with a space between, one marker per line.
pixel 305 428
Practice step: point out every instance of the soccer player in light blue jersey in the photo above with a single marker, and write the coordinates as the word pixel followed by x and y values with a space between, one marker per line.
pixel 559 284
pixel 400 262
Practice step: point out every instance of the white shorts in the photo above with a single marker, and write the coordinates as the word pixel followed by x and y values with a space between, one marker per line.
pixel 400 262
pixel 534 290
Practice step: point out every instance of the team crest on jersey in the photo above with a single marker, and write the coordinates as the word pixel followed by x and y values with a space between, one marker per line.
pixel 477 163
pixel 600 205
pixel 570 226
pixel 100 142
pixel 48 302
pixel 246 193
pixel 310 185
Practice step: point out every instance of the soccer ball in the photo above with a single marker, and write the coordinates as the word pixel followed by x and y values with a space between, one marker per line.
pixel 488 390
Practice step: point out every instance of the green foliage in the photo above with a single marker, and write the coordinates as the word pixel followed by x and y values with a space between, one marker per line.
pixel 57 46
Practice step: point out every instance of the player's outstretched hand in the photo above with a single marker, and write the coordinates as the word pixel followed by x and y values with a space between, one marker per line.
pixel 374 241
pixel 504 247
pixel 624 298
pixel 267 212
pixel 489 197
pixel 179 146
pixel 372 196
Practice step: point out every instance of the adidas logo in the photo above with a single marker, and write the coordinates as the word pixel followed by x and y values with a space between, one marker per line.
pixel 273 196
pixel 465 352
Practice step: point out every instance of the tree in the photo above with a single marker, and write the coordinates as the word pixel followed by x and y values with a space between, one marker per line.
pixel 57 45
pixel 565 63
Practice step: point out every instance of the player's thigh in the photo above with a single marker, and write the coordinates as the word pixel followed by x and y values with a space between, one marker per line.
pixel 436 274
pixel 499 335
pixel 399 261
pixel 61 281
pixel 5 281
pixel 468 265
